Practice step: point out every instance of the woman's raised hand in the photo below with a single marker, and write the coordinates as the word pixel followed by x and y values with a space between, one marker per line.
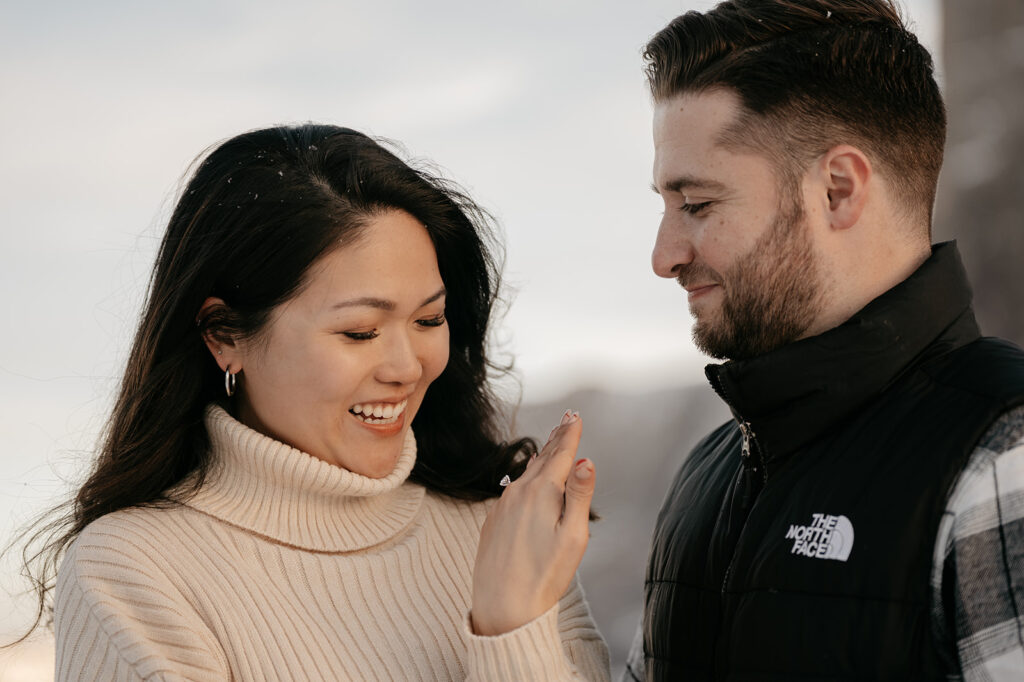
pixel 534 537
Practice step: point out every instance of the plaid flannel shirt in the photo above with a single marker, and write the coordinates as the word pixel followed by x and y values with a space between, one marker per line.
pixel 978 566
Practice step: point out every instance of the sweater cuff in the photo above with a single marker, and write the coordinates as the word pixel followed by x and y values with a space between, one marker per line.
pixel 533 651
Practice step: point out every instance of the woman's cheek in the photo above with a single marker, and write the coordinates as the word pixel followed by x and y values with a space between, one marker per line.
pixel 440 356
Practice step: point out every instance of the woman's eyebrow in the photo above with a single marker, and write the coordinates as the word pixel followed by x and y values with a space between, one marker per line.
pixel 436 295
pixel 368 301
pixel 383 303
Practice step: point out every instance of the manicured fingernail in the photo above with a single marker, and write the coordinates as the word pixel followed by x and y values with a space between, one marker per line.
pixel 584 469
pixel 575 416
pixel 566 417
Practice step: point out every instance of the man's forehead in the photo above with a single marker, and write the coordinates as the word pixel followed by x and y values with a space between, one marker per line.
pixel 688 140
pixel 695 115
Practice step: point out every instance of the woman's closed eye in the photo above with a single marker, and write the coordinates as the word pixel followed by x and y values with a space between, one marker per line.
pixel 435 321
pixel 362 335
pixel 370 334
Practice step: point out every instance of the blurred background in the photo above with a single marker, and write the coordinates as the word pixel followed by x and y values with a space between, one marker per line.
pixel 538 108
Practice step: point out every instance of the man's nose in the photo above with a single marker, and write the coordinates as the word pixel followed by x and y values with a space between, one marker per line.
pixel 672 249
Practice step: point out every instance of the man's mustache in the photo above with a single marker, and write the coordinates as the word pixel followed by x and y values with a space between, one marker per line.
pixel 697 273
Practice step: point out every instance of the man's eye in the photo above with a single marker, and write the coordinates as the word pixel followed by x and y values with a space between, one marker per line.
pixel 694 209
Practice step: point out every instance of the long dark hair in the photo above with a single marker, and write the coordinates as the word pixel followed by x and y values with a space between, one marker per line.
pixel 258 211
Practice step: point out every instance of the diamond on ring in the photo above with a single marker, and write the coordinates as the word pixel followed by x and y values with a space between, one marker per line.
pixel 505 480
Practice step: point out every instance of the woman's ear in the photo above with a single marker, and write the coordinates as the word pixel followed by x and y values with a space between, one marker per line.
pixel 224 350
pixel 847 173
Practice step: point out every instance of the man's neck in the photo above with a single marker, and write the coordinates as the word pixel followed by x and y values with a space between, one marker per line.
pixel 886 271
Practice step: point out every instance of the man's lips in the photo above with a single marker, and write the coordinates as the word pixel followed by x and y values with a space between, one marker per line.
pixel 694 292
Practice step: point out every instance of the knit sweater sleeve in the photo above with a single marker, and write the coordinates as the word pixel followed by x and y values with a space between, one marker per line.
pixel 561 644
pixel 119 617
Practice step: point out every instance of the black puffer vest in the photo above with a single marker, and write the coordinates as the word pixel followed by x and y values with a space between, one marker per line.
pixel 797 542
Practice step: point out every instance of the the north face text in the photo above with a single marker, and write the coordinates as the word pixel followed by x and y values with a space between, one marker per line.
pixel 827 537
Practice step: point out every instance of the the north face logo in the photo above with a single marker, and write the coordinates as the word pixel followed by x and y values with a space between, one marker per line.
pixel 828 537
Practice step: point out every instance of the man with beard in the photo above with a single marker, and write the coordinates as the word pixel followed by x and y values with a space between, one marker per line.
pixel 863 515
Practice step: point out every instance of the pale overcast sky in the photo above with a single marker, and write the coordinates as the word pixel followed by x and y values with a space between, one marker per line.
pixel 538 108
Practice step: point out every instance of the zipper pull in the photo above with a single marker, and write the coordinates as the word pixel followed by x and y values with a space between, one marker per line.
pixel 747 435
pixel 747 448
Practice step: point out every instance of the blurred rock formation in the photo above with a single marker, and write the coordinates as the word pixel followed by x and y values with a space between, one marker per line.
pixel 981 191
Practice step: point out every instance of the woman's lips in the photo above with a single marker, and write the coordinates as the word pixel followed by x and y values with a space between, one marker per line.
pixel 385 418
pixel 383 427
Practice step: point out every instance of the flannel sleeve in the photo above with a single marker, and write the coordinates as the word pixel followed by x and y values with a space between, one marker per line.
pixel 978 574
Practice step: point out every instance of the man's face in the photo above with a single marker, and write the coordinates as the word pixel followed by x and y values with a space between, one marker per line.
pixel 733 233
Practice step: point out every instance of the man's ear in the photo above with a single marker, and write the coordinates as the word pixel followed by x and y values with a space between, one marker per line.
pixel 847 173
pixel 224 350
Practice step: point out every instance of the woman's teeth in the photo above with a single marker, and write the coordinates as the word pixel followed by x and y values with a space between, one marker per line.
pixel 381 413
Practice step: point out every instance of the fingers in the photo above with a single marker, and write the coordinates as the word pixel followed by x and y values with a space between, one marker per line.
pixel 534 537
pixel 557 456
pixel 556 440
pixel 579 491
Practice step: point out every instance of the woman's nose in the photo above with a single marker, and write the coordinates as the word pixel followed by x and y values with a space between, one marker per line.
pixel 400 363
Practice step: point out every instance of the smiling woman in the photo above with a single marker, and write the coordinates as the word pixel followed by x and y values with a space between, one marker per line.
pixel 296 473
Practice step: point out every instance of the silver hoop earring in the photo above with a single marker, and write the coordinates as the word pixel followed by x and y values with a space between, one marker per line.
pixel 229 382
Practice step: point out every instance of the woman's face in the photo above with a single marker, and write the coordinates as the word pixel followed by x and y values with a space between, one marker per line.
pixel 342 368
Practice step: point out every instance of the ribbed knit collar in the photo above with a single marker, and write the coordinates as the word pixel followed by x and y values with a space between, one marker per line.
pixel 792 395
pixel 267 487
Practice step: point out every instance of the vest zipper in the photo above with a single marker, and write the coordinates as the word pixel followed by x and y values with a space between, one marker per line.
pixel 725 578
pixel 749 439
pixel 749 443
pixel 748 467
pixel 746 452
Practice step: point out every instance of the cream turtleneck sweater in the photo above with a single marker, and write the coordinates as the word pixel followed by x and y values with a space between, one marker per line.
pixel 284 567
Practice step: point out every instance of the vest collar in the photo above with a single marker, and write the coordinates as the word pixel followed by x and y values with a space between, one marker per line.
pixel 792 395
pixel 269 488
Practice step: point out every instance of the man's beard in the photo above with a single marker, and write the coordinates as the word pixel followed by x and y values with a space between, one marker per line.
pixel 771 295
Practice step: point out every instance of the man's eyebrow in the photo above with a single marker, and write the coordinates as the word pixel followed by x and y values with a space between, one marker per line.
pixel 383 303
pixel 688 182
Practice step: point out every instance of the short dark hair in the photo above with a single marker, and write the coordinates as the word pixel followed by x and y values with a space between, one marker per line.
pixel 811 74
